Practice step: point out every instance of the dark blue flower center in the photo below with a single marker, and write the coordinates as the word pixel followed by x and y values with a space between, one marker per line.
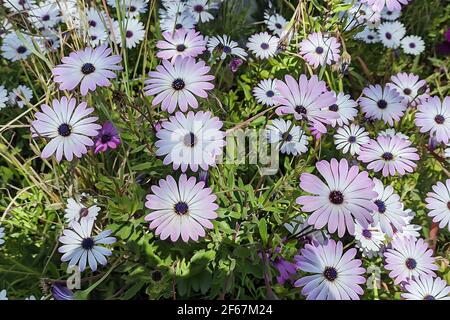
pixel 439 119
pixel 87 68
pixel 278 25
pixel 412 45
pixel 21 50
pixel 381 206
pixel 270 93
pixel 287 137
pixel 411 264
pixel 319 50
pixel 92 23
pixel 181 47
pixel 178 26
pixel 84 212
pixel 129 34
pixel 336 197
pixel 388 35
pixel 382 104
pixel 132 8
pixel 87 243
pixel 181 208
pixel 387 156
pixel 198 8
pixel 264 46
pixel 333 107
pixel 178 84
pixel 46 17
pixel 300 109
pixel 352 139
pixel 190 140
pixel 407 91
pixel 429 297
pixel 226 49
pixel 105 138
pixel 64 130
pixel 330 273
pixel 367 234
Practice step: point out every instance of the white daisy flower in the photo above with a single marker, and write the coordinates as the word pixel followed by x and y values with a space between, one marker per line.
pixel 409 230
pixel 80 247
pixel 390 213
pixel 171 23
pixel 96 36
pixel 133 31
pixel 286 137
pixel 410 87
pixel 425 287
pixel 391 33
pixel 225 47
pixel 368 36
pixel 392 133
pixel 2 235
pixel 67 126
pixel 263 45
pixel 390 15
pixel 369 240
pixel 382 103
pixel 49 42
pixel 199 9
pixel 350 138
pixel 14 49
pixel 96 19
pixel 3 97
pixel 190 140
pixel 275 23
pixel 413 45
pixel 265 91
pixel 75 211
pixel 44 16
pixel 19 5
pixel 346 107
pixel 20 96
pixel 3 295
pixel 172 9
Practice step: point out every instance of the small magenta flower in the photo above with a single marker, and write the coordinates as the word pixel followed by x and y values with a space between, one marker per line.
pixel 61 292
pixel 107 138
pixel 235 64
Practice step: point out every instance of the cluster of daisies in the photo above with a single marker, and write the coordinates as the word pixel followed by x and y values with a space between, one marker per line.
pixel 340 198
pixel 380 22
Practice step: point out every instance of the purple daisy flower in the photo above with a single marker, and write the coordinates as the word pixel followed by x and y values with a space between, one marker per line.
pixel 67 127
pixel 410 87
pixel 391 154
pixel 181 209
pixel 184 43
pixel 306 99
pixel 319 49
pixel 336 275
pixel 175 85
pixel 392 5
pixel 107 138
pixel 389 214
pixel 408 259
pixel 382 103
pixel 438 202
pixel 434 116
pixel 427 288
pixel 91 67
pixel 345 197
pixel 193 140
